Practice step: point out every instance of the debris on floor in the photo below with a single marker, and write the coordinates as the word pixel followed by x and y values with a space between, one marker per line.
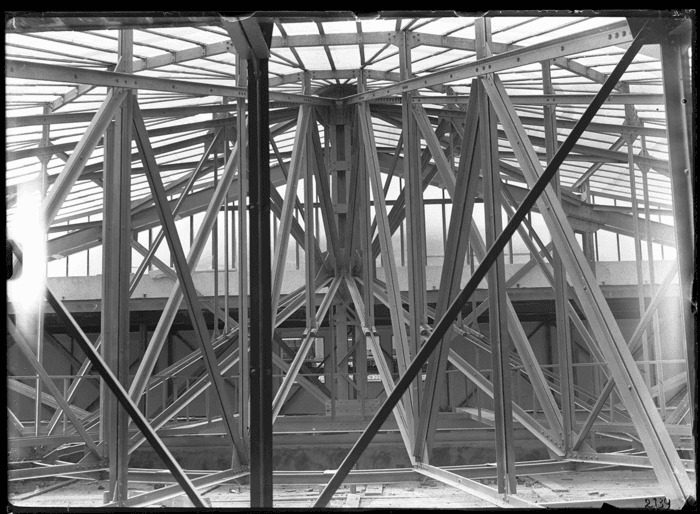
pixel 374 490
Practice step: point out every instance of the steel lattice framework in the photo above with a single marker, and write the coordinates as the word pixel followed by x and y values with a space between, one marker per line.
pixel 328 134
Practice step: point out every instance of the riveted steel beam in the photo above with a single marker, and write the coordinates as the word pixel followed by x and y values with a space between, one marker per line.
pixel 682 175
pixel 39 71
pixel 116 257
pixel 498 324
pixel 400 337
pixel 613 34
pixel 415 218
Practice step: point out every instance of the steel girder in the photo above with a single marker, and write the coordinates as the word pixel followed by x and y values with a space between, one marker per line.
pixel 415 224
pixel 682 174
pixel 498 325
pixel 38 71
pixel 401 340
pixel 460 224
pixel 116 257
pixel 564 350
pixel 594 39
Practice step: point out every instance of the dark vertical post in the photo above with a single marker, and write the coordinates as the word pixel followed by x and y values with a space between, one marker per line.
pixel 261 393
pixel 682 185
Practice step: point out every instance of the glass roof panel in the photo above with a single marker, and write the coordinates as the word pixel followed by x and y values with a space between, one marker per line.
pixel 444 25
pixel 377 25
pixel 314 58
pixel 300 28
pixel 346 57
pixel 339 27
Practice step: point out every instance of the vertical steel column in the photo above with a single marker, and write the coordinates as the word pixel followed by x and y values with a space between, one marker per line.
pixel 227 242
pixel 457 240
pixel 415 222
pixel 561 286
pixel 261 392
pixel 498 326
pixel 309 256
pixel 368 263
pixel 682 177
pixel 389 263
pixel 243 341
pixel 143 343
pixel 116 265
pixel 45 141
pixel 215 251
pixel 658 348
pixel 638 256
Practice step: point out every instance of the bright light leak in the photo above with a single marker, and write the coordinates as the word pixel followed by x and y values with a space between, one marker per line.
pixel 26 291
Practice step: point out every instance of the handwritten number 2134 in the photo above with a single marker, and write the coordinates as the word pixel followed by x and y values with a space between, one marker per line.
pixel 657 503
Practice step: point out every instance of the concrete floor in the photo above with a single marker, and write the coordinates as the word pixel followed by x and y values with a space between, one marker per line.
pixel 592 487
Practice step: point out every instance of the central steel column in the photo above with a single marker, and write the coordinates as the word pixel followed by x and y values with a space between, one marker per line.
pixel 339 168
